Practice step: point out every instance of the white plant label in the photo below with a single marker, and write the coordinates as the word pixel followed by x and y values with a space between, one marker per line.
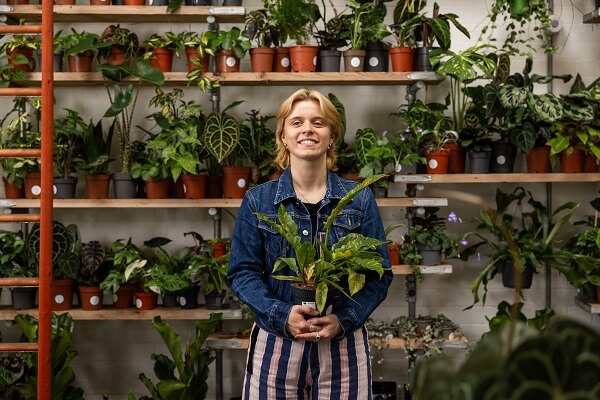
pixel 138 303
pixel 398 167
pixel 230 61
pixel 315 60
pixel 501 160
pixel 182 301
pixel 184 189
pixel 54 189
pixel 95 300
pixel 59 299
pixel 373 61
pixel 285 62
pixel 433 164
pixel 36 190
pixel 115 297
pixel 355 62
pixel 241 183
pixel 310 304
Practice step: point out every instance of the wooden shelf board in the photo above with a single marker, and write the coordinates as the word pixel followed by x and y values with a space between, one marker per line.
pixel 499 178
pixel 425 269
pixel 108 14
pixel 226 341
pixel 175 203
pixel 254 78
pixel 592 17
pixel 592 308
pixel 110 313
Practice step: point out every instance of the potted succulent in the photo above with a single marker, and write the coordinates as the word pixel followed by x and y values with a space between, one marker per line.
pixel 317 277
pixel 69 132
pixel 228 47
pixel 522 241
pixel 95 159
pixel 95 267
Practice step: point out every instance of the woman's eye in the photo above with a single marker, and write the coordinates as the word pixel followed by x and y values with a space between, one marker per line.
pixel 319 123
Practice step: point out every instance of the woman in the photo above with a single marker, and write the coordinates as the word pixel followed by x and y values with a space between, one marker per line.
pixel 294 353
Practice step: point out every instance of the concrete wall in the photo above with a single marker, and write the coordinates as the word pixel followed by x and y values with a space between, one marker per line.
pixel 113 353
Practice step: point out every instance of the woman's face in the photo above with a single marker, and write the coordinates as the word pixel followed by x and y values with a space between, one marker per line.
pixel 306 132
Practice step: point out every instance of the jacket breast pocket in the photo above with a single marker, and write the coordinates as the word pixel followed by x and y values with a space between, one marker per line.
pixel 275 245
pixel 347 222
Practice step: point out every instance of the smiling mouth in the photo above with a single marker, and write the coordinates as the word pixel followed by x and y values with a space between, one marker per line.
pixel 307 141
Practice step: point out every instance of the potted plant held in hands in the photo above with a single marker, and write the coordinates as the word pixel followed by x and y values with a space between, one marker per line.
pixel 316 277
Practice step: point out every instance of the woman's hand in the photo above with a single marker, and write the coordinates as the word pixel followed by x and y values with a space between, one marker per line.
pixel 296 323
pixel 325 328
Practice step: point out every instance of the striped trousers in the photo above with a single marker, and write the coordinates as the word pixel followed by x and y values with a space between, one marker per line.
pixel 279 368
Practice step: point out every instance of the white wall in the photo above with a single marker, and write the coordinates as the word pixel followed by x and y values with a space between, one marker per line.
pixel 113 353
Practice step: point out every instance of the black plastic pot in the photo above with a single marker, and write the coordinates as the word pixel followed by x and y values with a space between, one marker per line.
pixel 198 2
pixel 124 185
pixel 377 58
pixel 509 276
pixel 232 3
pixel 214 301
pixel 588 292
pixel 479 162
pixel 58 61
pixel 502 160
pixel 64 188
pixel 432 255
pixel 158 2
pixel 329 60
pixel 422 62
pixel 23 298
pixel 188 298
pixel 170 300
pixel 306 297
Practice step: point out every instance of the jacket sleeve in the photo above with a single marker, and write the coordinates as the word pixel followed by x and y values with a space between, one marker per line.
pixel 355 313
pixel 247 271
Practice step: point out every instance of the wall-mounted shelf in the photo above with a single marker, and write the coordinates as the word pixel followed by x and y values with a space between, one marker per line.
pixel 255 78
pixel 87 13
pixel 193 203
pixel 228 341
pixel 499 178
pixel 592 18
pixel 110 313
pixel 592 308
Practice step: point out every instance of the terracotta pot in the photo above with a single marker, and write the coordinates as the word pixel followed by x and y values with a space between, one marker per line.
pixel 123 298
pixel 538 160
pixel 157 188
pixel 281 60
pixel 12 191
pixel 97 185
pixel 24 51
pixel 226 61
pixel 100 2
pixel 192 54
pixel 235 181
pixel 458 158
pixel 91 297
pixel 135 2
pixel 590 163
pixel 17 2
pixel 438 161
pixel 402 58
pixel 354 60
pixel 162 59
pixel 194 186
pixel 65 2
pixel 117 56
pixel 304 58
pixel 394 250
pixel 145 300
pixel 81 62
pixel 62 294
pixel 33 185
pixel 261 59
pixel 220 249
pixel 572 163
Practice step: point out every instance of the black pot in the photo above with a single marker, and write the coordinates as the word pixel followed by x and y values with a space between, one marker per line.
pixel 509 277
pixel 588 292
pixel 597 3
pixel 306 297
pixel 232 3
pixel 198 2
pixel 214 301
pixel 117 2
pixel 158 2
pixel 329 60
pixel 64 188
pixel 58 61
pixel 422 62
pixel 23 298
pixel 502 160
pixel 432 255
pixel 379 192
pixel 170 300
pixel 377 57
pixel 125 186
pixel 188 297
pixel 479 162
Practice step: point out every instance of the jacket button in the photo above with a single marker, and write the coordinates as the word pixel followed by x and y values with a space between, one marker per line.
pixel 305 232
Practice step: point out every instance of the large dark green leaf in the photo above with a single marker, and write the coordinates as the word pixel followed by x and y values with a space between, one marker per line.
pixel 221 135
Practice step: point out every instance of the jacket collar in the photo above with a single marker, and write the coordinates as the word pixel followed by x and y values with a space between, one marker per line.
pixel 285 188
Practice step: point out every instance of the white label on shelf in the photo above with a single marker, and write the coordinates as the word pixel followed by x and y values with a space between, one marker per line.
pixel 241 183
pixel 310 304
pixel 59 299
pixel 95 300
pixel 230 61
pixel 36 190
pixel 138 303
pixel 500 160
pixel 373 61
pixel 285 62
pixel 355 62
pixel 433 164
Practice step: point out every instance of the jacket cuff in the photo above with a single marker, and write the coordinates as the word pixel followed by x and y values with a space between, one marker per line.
pixel 348 321
pixel 278 316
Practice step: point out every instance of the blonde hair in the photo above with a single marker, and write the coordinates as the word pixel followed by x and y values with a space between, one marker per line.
pixel 331 114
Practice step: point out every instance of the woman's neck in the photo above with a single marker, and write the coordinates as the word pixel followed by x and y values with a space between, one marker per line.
pixel 310 182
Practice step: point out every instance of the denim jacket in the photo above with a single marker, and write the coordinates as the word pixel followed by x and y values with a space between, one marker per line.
pixel 255 246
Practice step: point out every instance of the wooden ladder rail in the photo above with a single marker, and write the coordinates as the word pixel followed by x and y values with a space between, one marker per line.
pixel 45 217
